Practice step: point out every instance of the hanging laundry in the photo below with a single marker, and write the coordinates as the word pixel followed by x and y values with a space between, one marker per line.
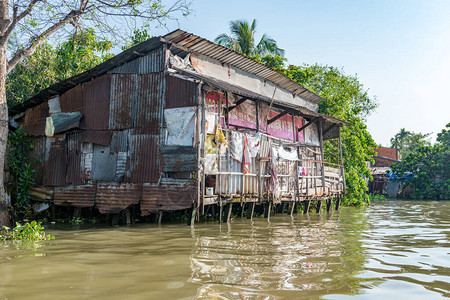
pixel 210 122
pixel 220 137
pixel 247 159
pixel 210 145
pixel 237 145
pixel 285 153
pixel 254 143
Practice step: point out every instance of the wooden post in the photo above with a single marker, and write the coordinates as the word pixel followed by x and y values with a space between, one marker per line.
pixel 319 206
pixel 307 204
pixel 198 140
pixel 329 201
pixel 251 209
pixel 160 214
pixel 342 160
pixel 229 211
pixel 220 211
pixel 219 159
pixel 258 158
pixel 338 201
pixel 191 221
pixel 322 155
pixel 127 216
pixel 202 195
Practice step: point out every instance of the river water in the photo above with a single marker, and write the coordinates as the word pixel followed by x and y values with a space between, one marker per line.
pixel 392 249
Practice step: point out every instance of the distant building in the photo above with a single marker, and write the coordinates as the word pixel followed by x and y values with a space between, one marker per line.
pixel 382 183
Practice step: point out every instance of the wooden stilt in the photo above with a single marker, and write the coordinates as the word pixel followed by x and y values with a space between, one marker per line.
pixel 53 216
pixel 191 220
pixel 338 201
pixel 329 202
pixel 230 209
pixel 115 219
pixel 292 208
pixel 220 212
pixel 160 214
pixel 251 210
pixel 319 206
pixel 127 216
pixel 307 204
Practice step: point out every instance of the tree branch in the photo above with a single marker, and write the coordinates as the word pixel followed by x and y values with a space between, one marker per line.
pixel 36 41
pixel 17 18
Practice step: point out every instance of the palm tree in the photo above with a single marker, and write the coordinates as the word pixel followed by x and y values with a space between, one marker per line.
pixel 242 40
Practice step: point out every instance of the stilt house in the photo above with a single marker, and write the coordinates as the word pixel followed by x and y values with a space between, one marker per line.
pixel 178 122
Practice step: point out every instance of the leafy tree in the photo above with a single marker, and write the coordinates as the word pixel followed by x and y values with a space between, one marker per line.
pixel 430 168
pixel 49 65
pixel 27 24
pixel 242 40
pixel 406 141
pixel 139 36
pixel 346 99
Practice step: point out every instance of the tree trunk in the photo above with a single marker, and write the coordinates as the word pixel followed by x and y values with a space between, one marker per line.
pixel 4 20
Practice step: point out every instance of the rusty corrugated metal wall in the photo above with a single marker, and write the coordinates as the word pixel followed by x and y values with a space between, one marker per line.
pixel 123 95
pixel 170 195
pixel 34 123
pixel 72 100
pixel 149 105
pixel 150 63
pixel 55 168
pixel 144 158
pixel 74 158
pixel 180 93
pixel 96 98
pixel 38 157
pixel 114 197
pixel 78 196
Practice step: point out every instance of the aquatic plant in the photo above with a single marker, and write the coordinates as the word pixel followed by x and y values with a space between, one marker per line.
pixel 32 232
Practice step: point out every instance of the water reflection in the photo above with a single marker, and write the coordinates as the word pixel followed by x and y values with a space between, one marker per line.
pixel 392 249
pixel 288 256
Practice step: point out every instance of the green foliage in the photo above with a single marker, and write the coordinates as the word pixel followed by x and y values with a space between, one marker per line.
pixel 19 146
pixel 242 40
pixel 430 166
pixel 407 141
pixel 346 99
pixel 377 197
pixel 139 36
pixel 31 232
pixel 49 65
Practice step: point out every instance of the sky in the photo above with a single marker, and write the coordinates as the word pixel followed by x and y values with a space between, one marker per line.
pixel 400 50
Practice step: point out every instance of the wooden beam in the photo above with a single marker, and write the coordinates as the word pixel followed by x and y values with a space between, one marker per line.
pixel 310 123
pixel 239 102
pixel 278 116
pixel 329 128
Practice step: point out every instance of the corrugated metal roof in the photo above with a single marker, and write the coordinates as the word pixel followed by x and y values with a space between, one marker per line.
pixel 168 196
pixel 34 123
pixel 226 56
pixel 148 109
pixel 124 92
pixel 180 93
pixel 78 196
pixel 114 197
pixel 184 40
pixel 251 95
pixel 96 98
pixel 55 169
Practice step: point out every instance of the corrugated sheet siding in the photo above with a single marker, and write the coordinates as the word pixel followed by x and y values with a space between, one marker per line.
pixel 144 158
pixel 100 137
pixel 74 159
pixel 96 98
pixel 180 93
pixel 34 123
pixel 149 105
pixel 123 95
pixel 168 196
pixel 55 169
pixel 150 63
pixel 114 197
pixel 38 158
pixel 78 196
pixel 72 100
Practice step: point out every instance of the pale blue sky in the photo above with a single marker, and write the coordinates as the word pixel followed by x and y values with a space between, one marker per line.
pixel 400 50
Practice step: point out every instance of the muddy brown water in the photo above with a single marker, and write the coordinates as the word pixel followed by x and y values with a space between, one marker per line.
pixel 393 249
